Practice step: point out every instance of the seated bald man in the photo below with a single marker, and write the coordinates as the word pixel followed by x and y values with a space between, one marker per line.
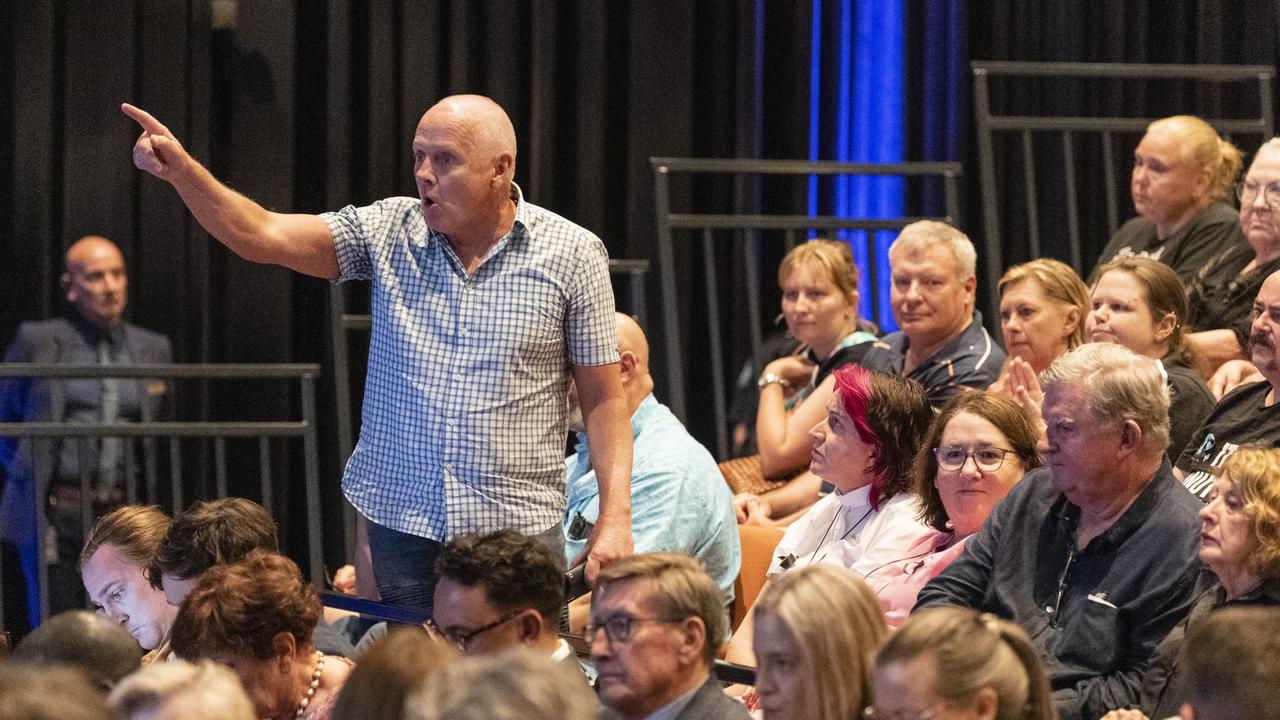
pixel 679 500
pixel 92 332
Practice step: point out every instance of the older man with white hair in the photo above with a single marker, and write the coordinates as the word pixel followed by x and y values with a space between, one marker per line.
pixel 1095 556
pixel 941 342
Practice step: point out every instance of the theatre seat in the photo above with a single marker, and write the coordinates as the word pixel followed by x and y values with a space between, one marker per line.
pixel 758 543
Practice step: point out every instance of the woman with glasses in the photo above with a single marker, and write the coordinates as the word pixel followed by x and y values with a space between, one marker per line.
pixel 1181 187
pixel 1240 544
pixel 978 447
pixel 256 617
pixel 951 662
pixel 1139 303
pixel 816 636
pixel 1222 292
pixel 864 448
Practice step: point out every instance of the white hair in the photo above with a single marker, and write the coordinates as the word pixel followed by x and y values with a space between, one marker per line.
pixel 924 234
pixel 207 691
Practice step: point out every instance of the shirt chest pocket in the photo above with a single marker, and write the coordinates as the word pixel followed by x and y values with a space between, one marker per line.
pixel 1094 635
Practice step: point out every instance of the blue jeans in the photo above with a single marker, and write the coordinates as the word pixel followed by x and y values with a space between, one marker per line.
pixel 404 565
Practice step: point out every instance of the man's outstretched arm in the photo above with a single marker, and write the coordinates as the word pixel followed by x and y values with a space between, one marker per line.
pixel 298 242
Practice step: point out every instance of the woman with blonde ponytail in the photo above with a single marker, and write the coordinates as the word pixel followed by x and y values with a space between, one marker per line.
pixel 1182 183
pixel 952 662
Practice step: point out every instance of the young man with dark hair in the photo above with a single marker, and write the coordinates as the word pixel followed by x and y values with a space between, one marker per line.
pixel 500 590
pixel 209 533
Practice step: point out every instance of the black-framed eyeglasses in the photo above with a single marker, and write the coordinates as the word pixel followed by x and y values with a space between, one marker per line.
pixel 460 640
pixel 1246 191
pixel 619 628
pixel 988 459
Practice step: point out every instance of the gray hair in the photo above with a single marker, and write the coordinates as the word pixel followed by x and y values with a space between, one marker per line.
pixel 512 684
pixel 208 690
pixel 924 234
pixel 1119 385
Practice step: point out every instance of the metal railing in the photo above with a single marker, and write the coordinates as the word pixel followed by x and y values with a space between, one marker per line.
pixel 748 232
pixel 1069 131
pixel 149 430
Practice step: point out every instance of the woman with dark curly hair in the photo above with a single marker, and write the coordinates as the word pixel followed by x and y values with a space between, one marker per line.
pixel 1240 542
pixel 256 617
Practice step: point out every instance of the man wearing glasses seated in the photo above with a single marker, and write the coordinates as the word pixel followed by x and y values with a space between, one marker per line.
pixel 657 620
pixel 500 590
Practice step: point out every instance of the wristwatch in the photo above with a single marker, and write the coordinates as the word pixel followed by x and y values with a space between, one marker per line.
pixel 771 378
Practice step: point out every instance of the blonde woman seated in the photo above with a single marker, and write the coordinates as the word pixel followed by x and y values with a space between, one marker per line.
pixel 816 636
pixel 180 690
pixel 947 663
pixel 864 448
pixel 819 283
pixel 1183 174
pixel 1043 307
pixel 978 447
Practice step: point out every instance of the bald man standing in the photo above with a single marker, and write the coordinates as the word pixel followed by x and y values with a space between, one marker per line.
pixel 93 332
pixel 483 305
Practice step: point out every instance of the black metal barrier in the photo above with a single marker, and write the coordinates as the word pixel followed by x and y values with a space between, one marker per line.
pixel 1071 133
pixel 149 430
pixel 746 233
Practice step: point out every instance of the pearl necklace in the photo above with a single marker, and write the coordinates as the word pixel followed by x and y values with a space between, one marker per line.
pixel 311 689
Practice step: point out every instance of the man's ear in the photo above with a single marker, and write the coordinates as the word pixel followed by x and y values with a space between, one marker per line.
pixel 693 635
pixel 626 363
pixel 1130 435
pixel 502 167
pixel 65 282
pixel 529 626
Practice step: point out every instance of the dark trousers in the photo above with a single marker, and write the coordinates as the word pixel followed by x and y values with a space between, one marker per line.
pixel 404 565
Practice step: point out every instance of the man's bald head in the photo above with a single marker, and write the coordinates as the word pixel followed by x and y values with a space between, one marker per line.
pixel 95 281
pixel 482 119
pixel 631 339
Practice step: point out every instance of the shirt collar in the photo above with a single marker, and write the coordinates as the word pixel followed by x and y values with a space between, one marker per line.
pixel 855 498
pixel 1143 507
pixel 672 710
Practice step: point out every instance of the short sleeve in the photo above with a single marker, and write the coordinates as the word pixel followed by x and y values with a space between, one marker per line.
pixel 356 231
pixel 589 325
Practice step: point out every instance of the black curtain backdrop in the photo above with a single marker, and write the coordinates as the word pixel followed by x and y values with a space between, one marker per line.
pixel 308 106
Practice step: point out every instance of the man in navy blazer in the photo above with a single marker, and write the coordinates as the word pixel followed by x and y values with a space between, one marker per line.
pixel 47 470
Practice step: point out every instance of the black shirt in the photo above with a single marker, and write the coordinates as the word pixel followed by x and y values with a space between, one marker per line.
pixel 1209 232
pixel 1240 418
pixel 1190 402
pixel 1221 296
pixel 972 360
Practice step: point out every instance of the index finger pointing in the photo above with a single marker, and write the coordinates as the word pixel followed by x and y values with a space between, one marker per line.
pixel 144 118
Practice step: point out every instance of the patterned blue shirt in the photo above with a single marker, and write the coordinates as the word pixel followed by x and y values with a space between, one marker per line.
pixel 679 500
pixel 463 422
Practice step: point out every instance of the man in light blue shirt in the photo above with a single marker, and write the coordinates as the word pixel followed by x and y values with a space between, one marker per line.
pixel 679 500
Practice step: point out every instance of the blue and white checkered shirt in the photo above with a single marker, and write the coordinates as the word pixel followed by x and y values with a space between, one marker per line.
pixel 463 425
